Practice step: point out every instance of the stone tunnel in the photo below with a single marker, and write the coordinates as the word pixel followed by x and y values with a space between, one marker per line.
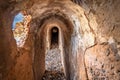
pixel 84 33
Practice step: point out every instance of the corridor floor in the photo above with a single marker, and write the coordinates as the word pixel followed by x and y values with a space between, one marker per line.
pixel 54 68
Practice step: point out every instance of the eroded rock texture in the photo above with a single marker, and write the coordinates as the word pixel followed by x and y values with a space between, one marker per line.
pixel 88 39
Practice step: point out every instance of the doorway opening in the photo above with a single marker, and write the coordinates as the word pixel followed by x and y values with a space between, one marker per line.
pixel 54 38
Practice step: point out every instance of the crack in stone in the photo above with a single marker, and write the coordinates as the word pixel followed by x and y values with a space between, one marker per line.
pixel 113 28
pixel 84 59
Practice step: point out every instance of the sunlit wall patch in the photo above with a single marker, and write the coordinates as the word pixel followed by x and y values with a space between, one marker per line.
pixel 20 27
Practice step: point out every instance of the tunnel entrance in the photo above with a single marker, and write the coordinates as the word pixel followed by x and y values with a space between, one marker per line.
pixel 54 38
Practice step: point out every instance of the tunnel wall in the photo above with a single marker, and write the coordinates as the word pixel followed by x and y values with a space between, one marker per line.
pixel 102 59
pixel 8 48
pixel 94 44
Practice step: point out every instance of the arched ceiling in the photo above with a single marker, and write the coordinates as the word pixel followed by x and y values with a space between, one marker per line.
pixel 25 3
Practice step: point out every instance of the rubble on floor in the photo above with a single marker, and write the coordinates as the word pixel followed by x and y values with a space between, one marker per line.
pixel 54 68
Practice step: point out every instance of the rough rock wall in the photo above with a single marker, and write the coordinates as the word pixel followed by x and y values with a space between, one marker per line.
pixel 94 44
pixel 13 64
pixel 8 47
pixel 102 59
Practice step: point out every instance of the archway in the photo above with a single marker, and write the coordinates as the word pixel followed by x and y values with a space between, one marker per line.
pixel 54 33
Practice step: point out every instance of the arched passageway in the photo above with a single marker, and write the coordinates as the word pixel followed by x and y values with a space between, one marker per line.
pixel 42 31
pixel 52 34
pixel 89 35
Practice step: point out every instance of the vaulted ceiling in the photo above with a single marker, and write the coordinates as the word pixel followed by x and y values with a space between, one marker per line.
pixel 6 3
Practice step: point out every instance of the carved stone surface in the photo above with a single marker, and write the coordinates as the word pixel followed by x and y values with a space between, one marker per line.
pixel 89 39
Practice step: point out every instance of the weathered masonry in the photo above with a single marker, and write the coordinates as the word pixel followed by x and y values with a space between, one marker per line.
pixel 86 32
